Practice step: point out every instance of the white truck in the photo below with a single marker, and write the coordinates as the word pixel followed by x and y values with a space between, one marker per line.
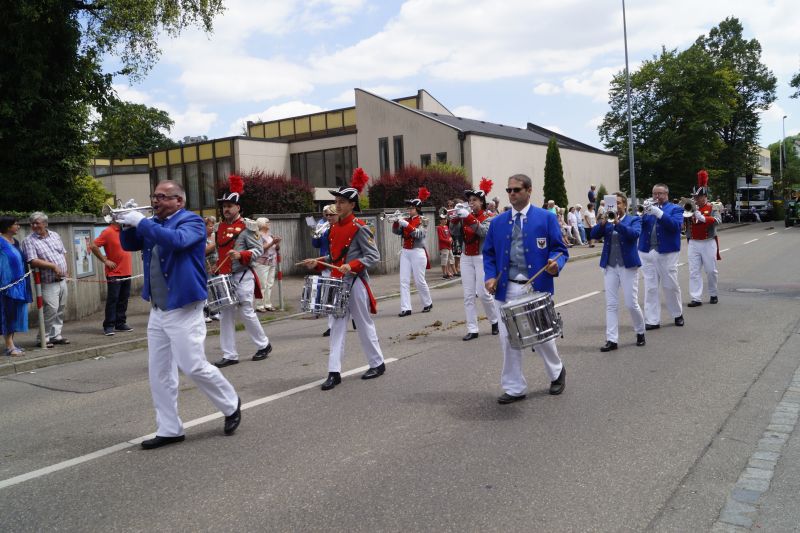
pixel 755 194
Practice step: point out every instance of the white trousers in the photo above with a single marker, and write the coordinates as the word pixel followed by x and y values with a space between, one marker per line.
pixel 358 310
pixel 512 380
pixel 266 278
pixel 326 274
pixel 227 322
pixel 54 300
pixel 702 256
pixel 628 279
pixel 413 262
pixel 660 270
pixel 472 281
pixel 175 341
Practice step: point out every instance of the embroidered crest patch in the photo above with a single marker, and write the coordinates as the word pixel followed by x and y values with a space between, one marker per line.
pixel 541 242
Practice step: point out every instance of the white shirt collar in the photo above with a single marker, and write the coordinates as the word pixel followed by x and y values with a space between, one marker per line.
pixel 524 212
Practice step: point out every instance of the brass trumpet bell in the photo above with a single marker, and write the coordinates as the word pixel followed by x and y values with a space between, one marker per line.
pixel 114 215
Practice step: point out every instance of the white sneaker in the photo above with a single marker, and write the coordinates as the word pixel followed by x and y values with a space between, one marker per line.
pixel 208 319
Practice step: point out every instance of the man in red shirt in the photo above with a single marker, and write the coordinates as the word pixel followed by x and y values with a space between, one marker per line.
pixel 117 263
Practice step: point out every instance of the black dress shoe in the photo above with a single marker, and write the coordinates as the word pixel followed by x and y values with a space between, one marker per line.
pixel 608 346
pixel 232 422
pixel 495 329
pixel 427 308
pixel 640 339
pixel 222 363
pixel 648 327
pixel 506 398
pixel 405 313
pixel 557 386
pixel 334 378
pixel 263 353
pixel 679 321
pixel 374 372
pixel 694 303
pixel 713 300
pixel 469 336
pixel 354 325
pixel 158 442
pixel 327 333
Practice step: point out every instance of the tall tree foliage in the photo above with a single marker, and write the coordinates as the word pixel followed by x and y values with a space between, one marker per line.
pixel 795 82
pixel 126 129
pixel 791 162
pixel 554 188
pixel 50 78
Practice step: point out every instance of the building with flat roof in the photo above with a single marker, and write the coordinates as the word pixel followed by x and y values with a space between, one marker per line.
pixel 381 135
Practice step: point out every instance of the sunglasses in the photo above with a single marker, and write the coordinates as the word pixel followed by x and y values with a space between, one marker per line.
pixel 509 190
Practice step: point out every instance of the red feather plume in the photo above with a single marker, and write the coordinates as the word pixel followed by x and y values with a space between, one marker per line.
pixel 702 179
pixel 236 183
pixel 423 193
pixel 359 179
pixel 486 185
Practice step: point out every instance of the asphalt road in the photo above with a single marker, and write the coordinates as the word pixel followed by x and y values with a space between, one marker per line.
pixel 649 438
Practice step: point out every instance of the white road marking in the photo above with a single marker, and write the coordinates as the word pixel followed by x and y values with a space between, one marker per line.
pixel 773 233
pixel 579 298
pixel 724 250
pixel 680 264
pixel 16 480
pixel 748 242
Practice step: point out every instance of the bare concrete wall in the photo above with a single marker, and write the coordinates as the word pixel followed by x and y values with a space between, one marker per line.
pixel 267 156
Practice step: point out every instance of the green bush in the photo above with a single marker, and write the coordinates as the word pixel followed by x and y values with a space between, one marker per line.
pixel 89 194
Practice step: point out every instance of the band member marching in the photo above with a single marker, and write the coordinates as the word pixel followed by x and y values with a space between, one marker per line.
pixel 352 252
pixel 413 256
pixel 520 242
pixel 620 262
pixel 475 222
pixel 238 245
pixel 703 250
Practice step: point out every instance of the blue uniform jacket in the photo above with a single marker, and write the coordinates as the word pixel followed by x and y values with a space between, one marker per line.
pixel 541 236
pixel 182 249
pixel 628 230
pixel 668 229
pixel 323 243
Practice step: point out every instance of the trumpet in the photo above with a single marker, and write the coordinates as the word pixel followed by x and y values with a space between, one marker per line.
pixel 689 207
pixel 113 215
pixel 648 203
pixel 611 215
pixel 320 229
pixel 391 217
pixel 451 213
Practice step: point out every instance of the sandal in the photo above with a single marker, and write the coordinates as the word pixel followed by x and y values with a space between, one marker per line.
pixel 14 352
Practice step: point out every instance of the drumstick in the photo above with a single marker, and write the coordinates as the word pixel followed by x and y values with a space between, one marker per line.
pixel 527 283
pixel 327 265
pixel 216 270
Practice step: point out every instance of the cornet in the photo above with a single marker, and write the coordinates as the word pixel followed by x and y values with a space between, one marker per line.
pixel 113 215
pixel 451 213
pixel 391 217
pixel 689 207
pixel 320 229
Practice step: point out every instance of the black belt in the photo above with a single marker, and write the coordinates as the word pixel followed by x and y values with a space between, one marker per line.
pixel 519 281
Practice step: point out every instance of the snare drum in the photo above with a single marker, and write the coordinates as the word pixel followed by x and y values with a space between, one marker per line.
pixel 531 319
pixel 325 296
pixel 221 293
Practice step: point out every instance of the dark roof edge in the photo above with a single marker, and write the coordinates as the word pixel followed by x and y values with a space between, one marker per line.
pixel 566 140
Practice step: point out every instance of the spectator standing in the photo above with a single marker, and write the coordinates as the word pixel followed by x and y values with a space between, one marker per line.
pixel 592 194
pixel 445 249
pixel 118 269
pixel 590 221
pixel 572 222
pixel 14 299
pixel 266 265
pixel 44 250
pixel 562 223
pixel 601 209
pixel 551 206
pixel 581 227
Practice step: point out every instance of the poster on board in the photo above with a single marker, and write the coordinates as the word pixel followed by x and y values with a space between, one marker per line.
pixel 81 239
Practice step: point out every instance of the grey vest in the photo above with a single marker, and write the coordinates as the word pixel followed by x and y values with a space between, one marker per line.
pixel 517 263
pixel 158 286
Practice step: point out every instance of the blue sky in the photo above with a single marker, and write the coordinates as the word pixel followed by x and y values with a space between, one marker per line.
pixel 543 61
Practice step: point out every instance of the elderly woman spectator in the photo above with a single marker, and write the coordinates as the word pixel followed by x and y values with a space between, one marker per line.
pixel 14 299
pixel 266 265
pixel 564 227
pixel 589 221
pixel 572 221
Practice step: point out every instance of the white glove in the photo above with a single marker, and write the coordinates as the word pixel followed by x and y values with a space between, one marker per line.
pixel 131 218
pixel 698 216
pixel 462 213
pixel 655 210
pixel 403 222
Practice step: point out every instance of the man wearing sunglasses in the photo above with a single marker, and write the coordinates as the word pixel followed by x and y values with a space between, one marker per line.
pixel 519 243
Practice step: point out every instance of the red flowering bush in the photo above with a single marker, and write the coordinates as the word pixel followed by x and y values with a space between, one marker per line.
pixel 268 192
pixel 443 182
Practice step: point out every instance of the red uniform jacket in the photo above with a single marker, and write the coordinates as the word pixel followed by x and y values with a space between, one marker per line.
pixel 472 241
pixel 341 235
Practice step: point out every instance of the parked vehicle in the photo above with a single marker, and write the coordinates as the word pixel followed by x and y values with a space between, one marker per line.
pixel 755 192
pixel 791 205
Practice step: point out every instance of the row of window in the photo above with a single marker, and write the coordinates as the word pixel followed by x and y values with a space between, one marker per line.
pixel 399 156
pixel 199 179
pixel 325 168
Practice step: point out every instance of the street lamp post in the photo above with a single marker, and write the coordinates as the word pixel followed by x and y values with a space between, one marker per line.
pixel 630 122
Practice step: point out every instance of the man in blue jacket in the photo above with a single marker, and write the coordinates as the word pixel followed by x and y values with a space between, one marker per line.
pixel 620 262
pixel 519 243
pixel 173 244
pixel 659 247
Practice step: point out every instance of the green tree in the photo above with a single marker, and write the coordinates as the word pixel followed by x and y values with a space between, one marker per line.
pixel 791 162
pixel 601 193
pixel 755 88
pixel 50 78
pixel 554 188
pixel 795 82
pixel 126 129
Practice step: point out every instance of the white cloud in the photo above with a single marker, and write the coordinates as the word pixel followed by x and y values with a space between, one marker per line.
pixel 287 109
pixel 467 111
pixel 546 89
pixel 595 122
pixel 593 83
pixel 194 121
pixel 555 129
pixel 348 97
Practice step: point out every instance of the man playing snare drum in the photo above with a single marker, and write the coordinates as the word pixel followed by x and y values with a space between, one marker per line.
pixel 519 243
pixel 352 251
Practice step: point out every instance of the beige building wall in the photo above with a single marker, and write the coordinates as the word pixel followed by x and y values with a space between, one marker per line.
pixel 764 161
pixel 127 186
pixel 327 143
pixel 581 169
pixel 431 104
pixel 267 156
pixel 421 135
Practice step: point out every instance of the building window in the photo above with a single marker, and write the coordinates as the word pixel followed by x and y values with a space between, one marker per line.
pixel 192 186
pixel 425 160
pixel 207 181
pixel 383 154
pixel 325 168
pixel 441 157
pixel 224 169
pixel 398 152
